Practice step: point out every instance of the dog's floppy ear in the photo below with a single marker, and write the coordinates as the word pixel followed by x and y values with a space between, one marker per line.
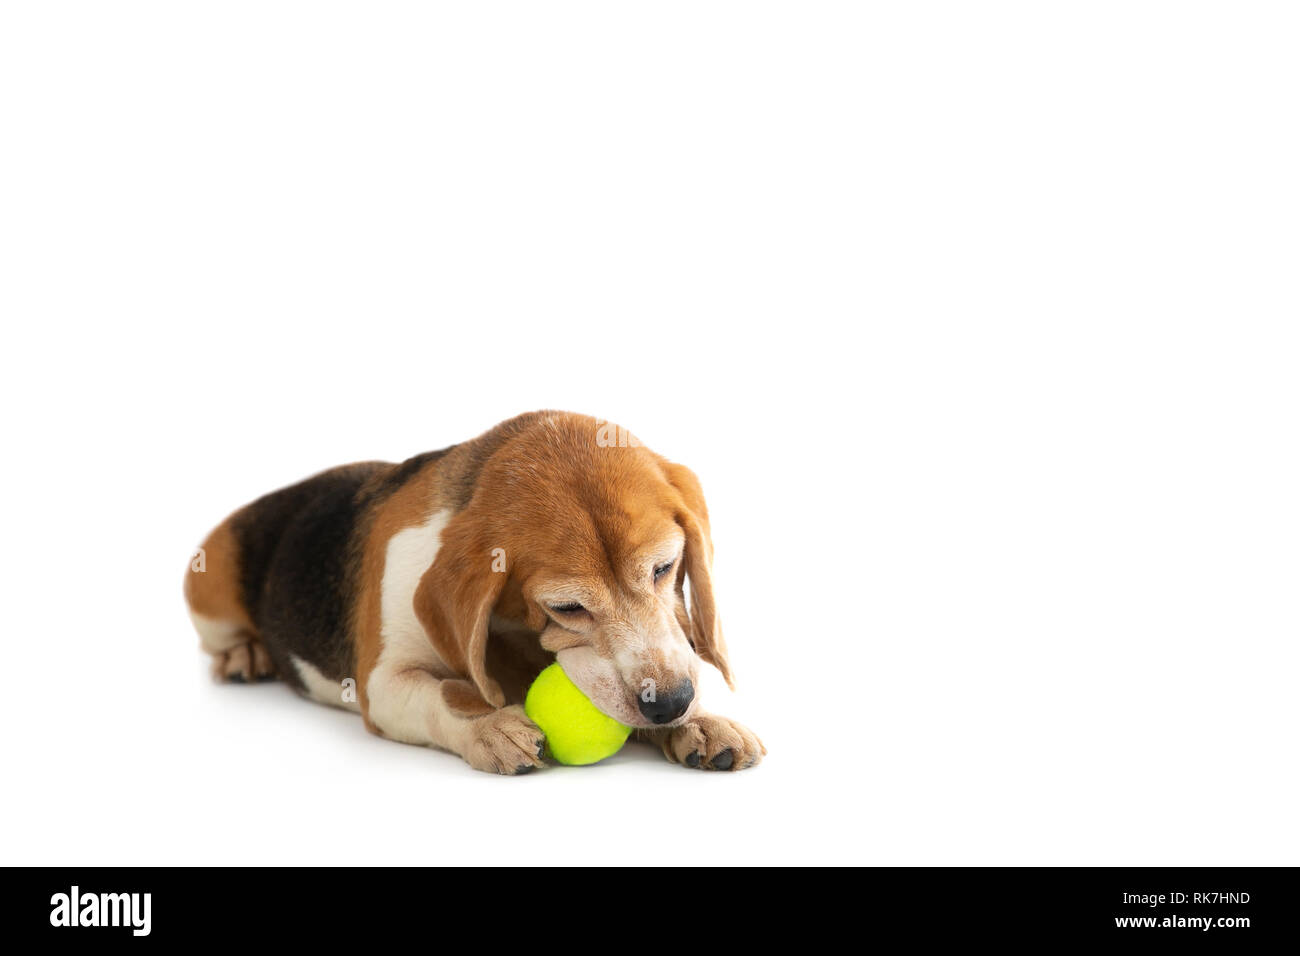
pixel 454 601
pixel 697 566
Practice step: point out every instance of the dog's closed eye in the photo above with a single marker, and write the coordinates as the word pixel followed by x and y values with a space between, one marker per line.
pixel 664 568
pixel 569 607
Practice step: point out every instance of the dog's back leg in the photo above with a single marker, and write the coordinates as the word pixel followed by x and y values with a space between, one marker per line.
pixel 226 631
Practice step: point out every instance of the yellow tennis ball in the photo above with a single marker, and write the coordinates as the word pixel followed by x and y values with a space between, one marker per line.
pixel 576 732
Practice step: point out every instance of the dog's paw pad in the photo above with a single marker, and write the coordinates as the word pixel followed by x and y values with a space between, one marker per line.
pixel 724 760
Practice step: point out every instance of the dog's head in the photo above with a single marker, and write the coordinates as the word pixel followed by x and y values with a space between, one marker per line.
pixel 576 533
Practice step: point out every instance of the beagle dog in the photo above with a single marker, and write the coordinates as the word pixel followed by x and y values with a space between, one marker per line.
pixel 428 595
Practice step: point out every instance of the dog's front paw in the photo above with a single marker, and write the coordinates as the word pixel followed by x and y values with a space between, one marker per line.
pixel 713 743
pixel 505 741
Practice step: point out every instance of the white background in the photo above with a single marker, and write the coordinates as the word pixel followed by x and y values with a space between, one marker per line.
pixel 978 322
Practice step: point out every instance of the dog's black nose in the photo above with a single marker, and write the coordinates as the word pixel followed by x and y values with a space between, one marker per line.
pixel 665 708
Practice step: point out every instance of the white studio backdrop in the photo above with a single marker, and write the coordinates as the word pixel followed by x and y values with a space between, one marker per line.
pixel 978 324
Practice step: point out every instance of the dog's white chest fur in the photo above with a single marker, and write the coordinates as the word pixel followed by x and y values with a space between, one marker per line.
pixel 403 642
